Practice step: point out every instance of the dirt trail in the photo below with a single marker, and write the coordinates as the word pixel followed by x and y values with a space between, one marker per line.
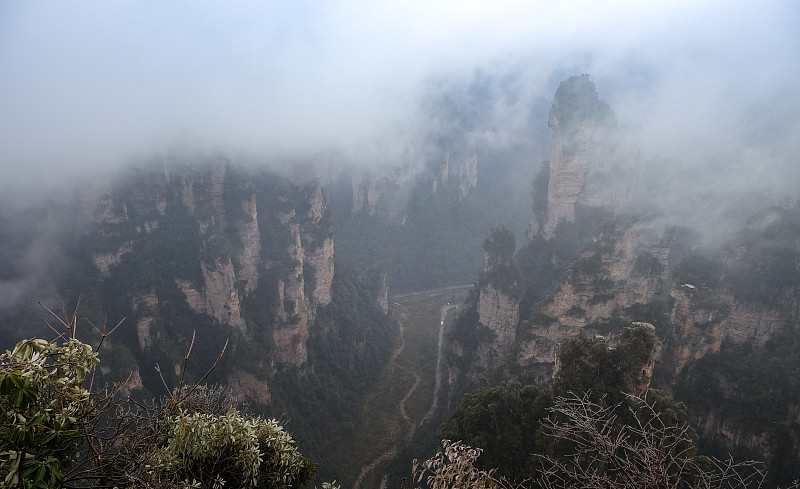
pixel 412 427
pixel 389 454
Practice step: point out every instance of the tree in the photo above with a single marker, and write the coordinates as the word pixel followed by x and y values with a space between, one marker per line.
pixel 453 468
pixel 201 440
pixel 45 408
pixel 644 451
pixel 55 431
pixel 649 452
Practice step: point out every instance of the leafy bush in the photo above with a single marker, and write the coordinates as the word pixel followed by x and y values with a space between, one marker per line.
pixel 45 407
pixel 56 432
pixel 205 449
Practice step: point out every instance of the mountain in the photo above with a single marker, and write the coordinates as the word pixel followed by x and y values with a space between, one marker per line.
pixel 604 251
pixel 293 263
pixel 212 252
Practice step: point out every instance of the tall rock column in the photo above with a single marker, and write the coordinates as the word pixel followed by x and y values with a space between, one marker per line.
pixel 498 301
pixel 580 121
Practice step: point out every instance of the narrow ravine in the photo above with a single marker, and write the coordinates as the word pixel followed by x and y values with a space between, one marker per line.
pixel 439 354
pixel 390 453
pixel 407 372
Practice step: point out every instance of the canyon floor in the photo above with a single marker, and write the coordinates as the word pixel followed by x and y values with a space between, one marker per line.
pixel 404 395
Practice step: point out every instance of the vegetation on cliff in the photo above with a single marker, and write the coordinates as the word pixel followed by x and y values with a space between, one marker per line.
pixel 506 421
pixel 56 430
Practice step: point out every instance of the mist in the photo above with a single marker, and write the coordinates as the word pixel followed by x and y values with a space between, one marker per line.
pixel 92 86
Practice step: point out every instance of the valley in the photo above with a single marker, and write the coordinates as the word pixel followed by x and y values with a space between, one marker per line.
pixel 406 394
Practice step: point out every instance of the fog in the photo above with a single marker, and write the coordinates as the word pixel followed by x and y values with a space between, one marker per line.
pixel 707 89
pixel 95 84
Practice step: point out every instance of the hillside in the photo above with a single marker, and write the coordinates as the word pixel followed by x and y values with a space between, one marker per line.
pixel 604 250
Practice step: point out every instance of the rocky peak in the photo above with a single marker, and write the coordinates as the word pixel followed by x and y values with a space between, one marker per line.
pixel 498 249
pixel 582 146
pixel 468 176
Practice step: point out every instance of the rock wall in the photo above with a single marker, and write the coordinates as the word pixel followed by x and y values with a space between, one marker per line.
pixel 146 307
pixel 227 211
pixel 704 319
pixel 250 237
pixel 585 148
pixel 500 313
pixel 104 261
pixel 468 176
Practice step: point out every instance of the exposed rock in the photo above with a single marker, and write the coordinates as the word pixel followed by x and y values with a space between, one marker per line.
pixel 249 387
pixel 291 343
pixel 134 383
pixel 316 204
pixel 704 319
pixel 616 284
pixel 383 292
pixel 366 194
pixel 213 184
pixel 104 261
pixel 649 367
pixel 534 226
pixel 322 262
pixel 219 297
pixel 250 238
pixel 583 151
pixel 110 212
pixel 500 313
pixel 186 193
pixel 468 176
pixel 146 307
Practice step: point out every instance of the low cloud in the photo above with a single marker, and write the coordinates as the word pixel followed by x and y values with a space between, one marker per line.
pixel 93 85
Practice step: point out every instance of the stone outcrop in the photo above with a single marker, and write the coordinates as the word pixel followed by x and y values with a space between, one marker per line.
pixel 500 312
pixel 250 238
pixel 110 212
pixel 366 194
pixel 104 261
pixel 704 319
pixel 217 212
pixel 249 387
pixel 468 176
pixel 146 307
pixel 219 297
pixel 620 280
pixel 584 148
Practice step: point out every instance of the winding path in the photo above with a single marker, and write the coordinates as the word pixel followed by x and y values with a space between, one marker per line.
pixel 392 452
pixel 389 454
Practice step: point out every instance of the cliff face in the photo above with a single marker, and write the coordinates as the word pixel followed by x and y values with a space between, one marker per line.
pixel 597 260
pixel 223 236
pixel 584 150
pixel 500 313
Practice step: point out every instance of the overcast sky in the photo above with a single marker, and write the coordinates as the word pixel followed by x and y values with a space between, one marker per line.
pixel 89 84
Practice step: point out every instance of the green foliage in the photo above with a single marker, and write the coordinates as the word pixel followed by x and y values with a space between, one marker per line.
pixel 587 364
pixel 505 421
pixel 44 407
pixel 219 450
pixel 575 100
pixel 764 398
pixel 499 246
pixel 468 332
pixel 502 421
pixel 453 467
pixel 351 340
pixel 648 265
pixel 701 270
pixel 543 262
pixel 50 420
